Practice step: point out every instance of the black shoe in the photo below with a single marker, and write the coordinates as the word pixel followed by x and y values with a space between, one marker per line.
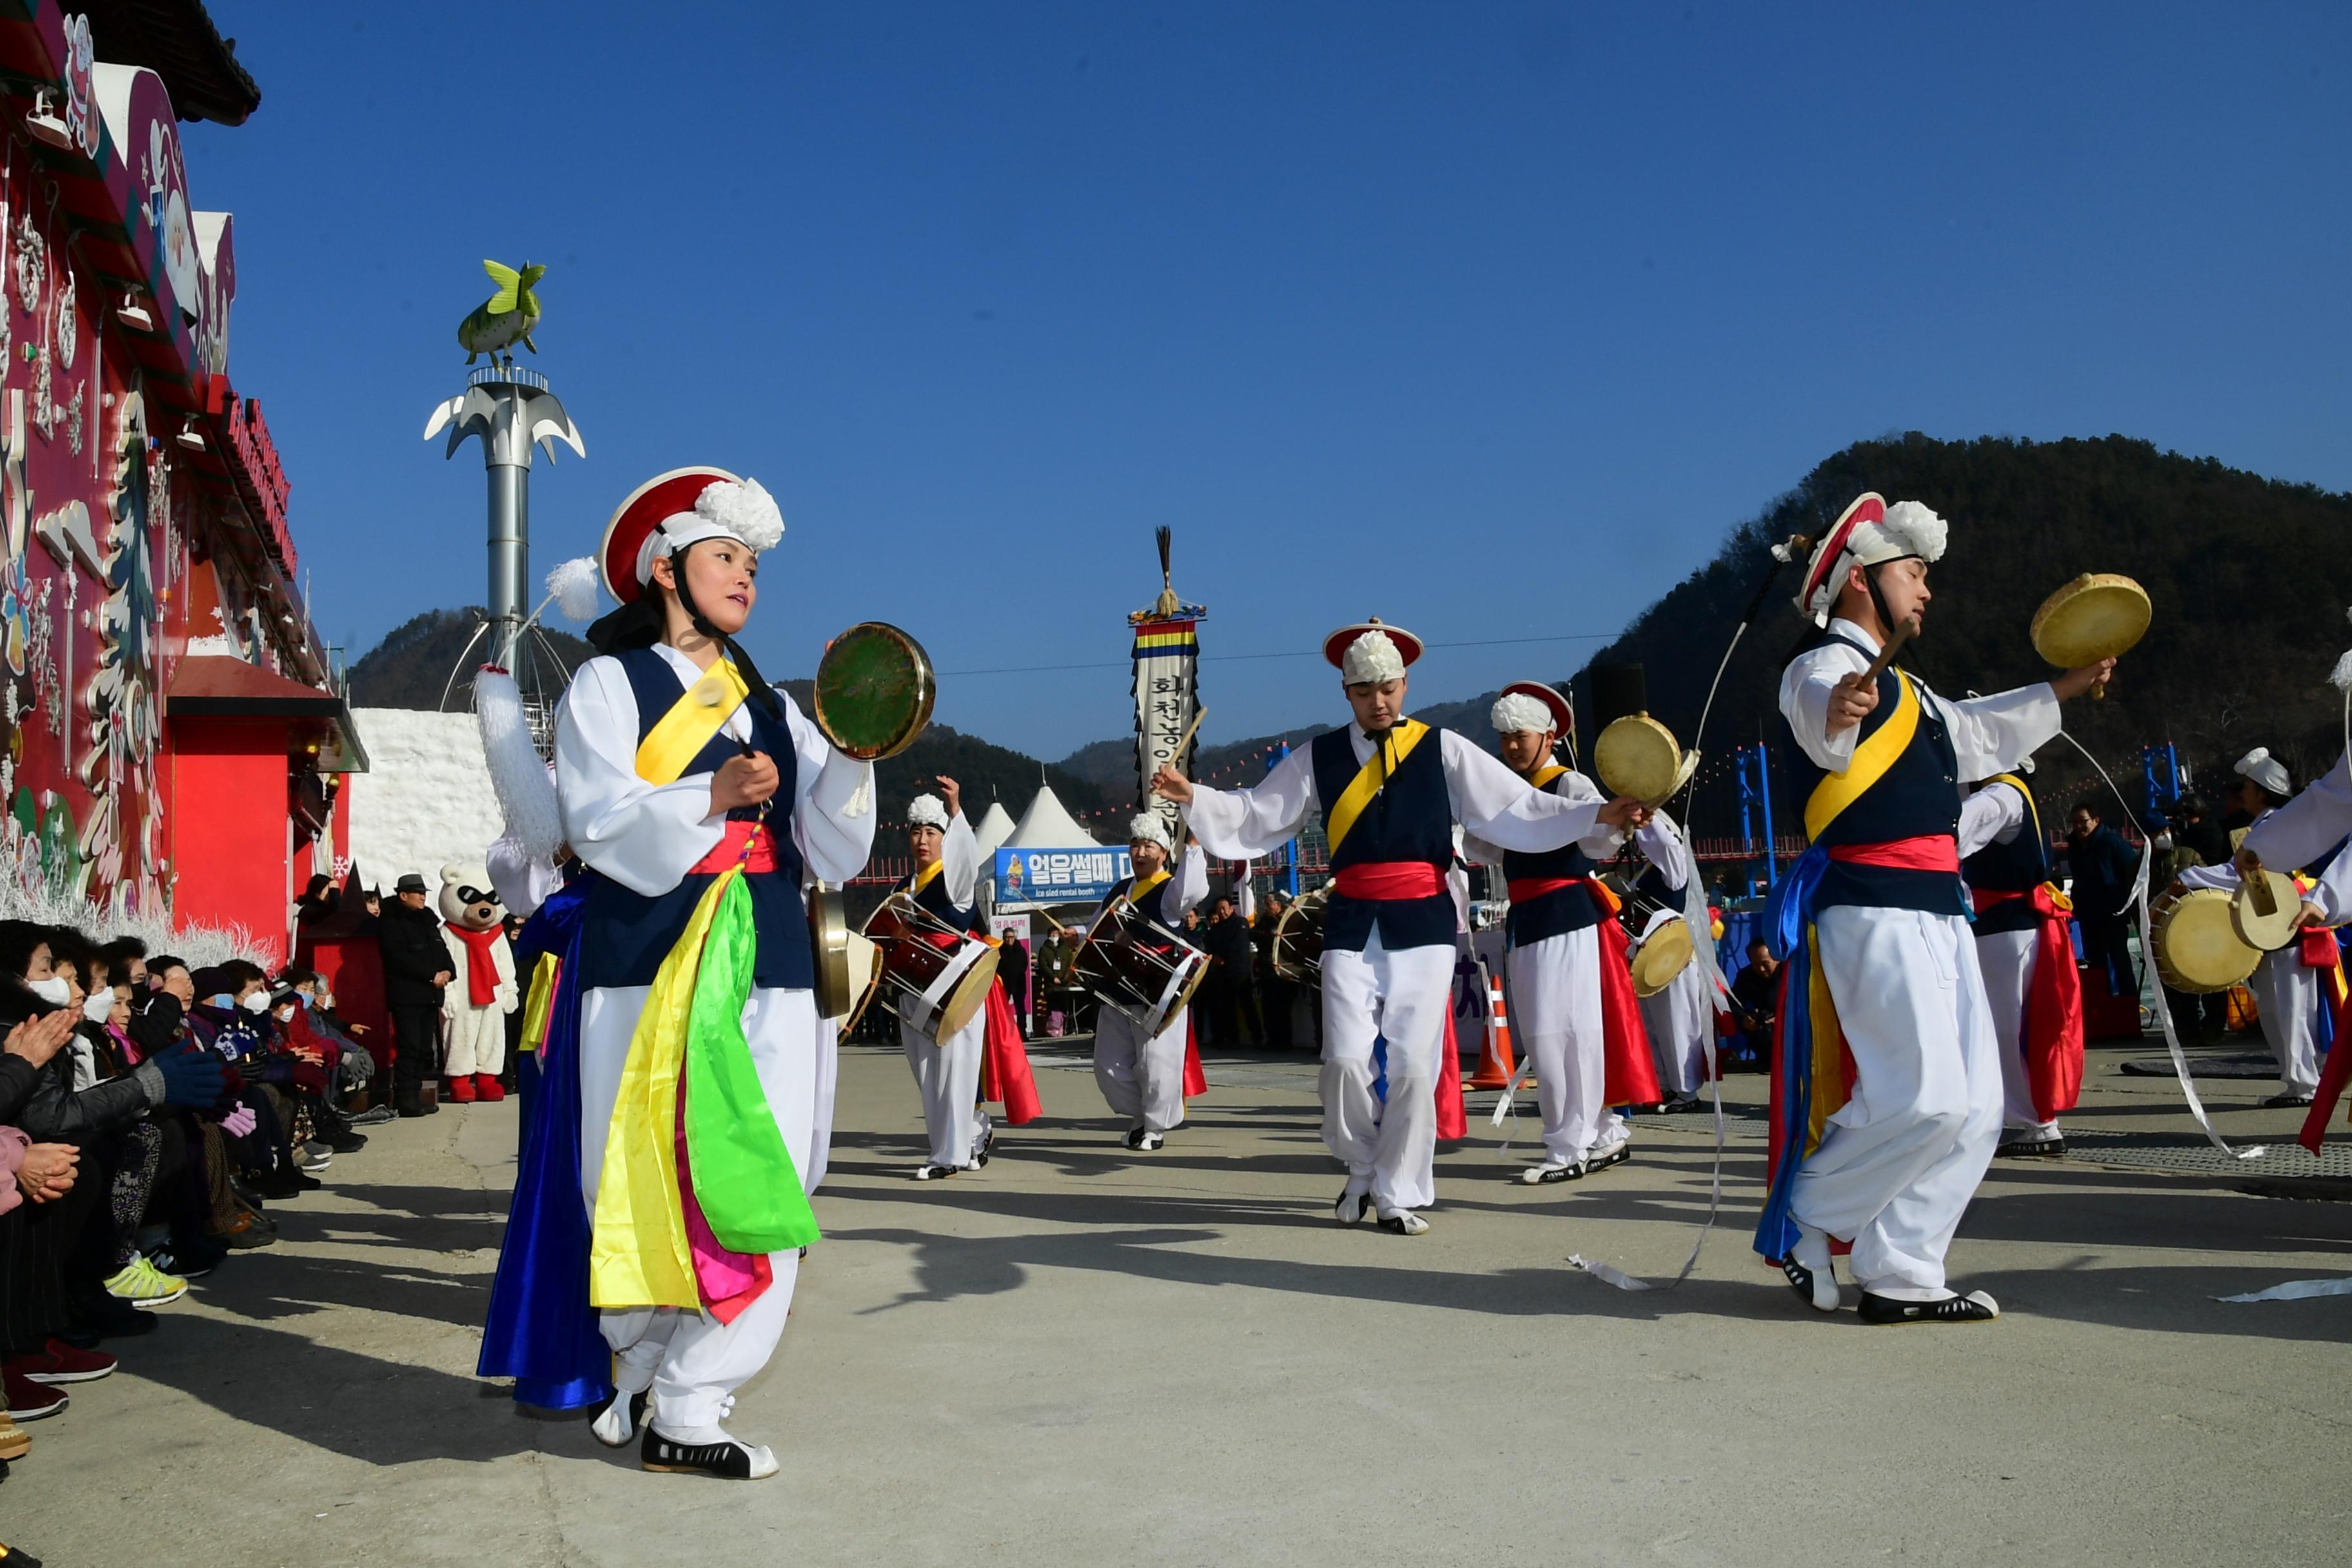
pixel 183 1260
pixel 344 1142
pixel 1135 1137
pixel 96 1312
pixel 2031 1149
pixel 1352 1208
pixel 1976 1307
pixel 1812 1289
pixel 1404 1221
pixel 2287 1101
pixel 637 1402
pixel 1684 1107
pixel 728 1461
pixel 413 1107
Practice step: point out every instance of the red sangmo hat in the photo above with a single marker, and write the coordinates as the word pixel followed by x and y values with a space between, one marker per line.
pixel 1563 716
pixel 1335 646
pixel 1868 506
pixel 663 496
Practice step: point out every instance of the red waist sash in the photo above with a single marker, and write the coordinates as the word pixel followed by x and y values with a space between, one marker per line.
pixel 1928 852
pixel 1386 880
pixel 2051 1029
pixel 1526 889
pixel 730 849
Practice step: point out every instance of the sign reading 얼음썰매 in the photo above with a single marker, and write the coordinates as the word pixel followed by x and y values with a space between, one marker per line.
pixel 1057 876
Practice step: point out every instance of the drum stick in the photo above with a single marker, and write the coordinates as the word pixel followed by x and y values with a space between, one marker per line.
pixel 1191 730
pixel 1903 634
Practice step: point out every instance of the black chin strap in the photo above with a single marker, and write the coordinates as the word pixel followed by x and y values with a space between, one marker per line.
pixel 640 624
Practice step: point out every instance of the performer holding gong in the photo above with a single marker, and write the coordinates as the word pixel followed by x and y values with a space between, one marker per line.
pixel 1572 1003
pixel 696 794
pixel 1142 1078
pixel 1881 973
pixel 1391 792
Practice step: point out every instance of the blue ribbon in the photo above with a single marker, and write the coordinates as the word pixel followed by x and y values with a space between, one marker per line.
pixel 541 1330
pixel 1789 919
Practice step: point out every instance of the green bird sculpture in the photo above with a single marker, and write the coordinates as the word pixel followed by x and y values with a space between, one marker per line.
pixel 506 316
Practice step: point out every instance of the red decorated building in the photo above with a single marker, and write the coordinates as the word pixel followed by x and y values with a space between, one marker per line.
pixel 176 731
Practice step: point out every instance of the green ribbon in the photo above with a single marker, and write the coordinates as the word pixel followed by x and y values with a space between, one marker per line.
pixel 743 1175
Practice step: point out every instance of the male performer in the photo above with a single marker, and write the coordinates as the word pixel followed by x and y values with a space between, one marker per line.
pixel 1391 793
pixel 1882 971
pixel 2028 961
pixel 1681 1018
pixel 947 1071
pixel 1572 1003
pixel 1143 1080
pixel 2286 989
pixel 695 792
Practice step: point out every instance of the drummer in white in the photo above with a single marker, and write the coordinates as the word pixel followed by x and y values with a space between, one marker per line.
pixel 945 881
pixel 1391 792
pixel 1143 1080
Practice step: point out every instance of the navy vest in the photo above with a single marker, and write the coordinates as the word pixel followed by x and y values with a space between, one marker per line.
pixel 1919 797
pixel 1561 910
pixel 626 935
pixel 1144 918
pixel 934 898
pixel 2019 866
pixel 1412 818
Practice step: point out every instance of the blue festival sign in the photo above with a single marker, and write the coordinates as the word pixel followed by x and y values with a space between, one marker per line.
pixel 1058 876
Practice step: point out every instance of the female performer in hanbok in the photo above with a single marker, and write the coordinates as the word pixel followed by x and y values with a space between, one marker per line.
pixel 696 794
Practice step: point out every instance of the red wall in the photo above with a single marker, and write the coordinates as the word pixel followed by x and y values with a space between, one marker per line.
pixel 230 775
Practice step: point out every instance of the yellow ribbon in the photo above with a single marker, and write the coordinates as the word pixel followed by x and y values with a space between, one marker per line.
pixel 535 1007
pixel 1399 740
pixel 1872 758
pixel 639 1255
pixel 700 710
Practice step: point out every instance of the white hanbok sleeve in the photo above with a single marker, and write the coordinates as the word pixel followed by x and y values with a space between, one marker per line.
pixel 2333 889
pixel 1993 734
pixel 1501 810
pixel 1242 824
pixel 1662 846
pixel 1186 887
pixel 645 836
pixel 833 808
pixel 2307 826
pixel 959 862
pixel 1993 814
pixel 2224 876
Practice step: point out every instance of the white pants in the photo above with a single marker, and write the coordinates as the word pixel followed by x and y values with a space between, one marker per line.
pixel 690 1360
pixel 828 1082
pixel 948 1074
pixel 2006 958
pixel 1899 1161
pixel 1390 1152
pixel 1679 1019
pixel 1555 1010
pixel 477 1041
pixel 2287 996
pixel 1140 1079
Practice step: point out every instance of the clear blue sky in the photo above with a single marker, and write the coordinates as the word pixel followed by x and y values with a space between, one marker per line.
pixel 1489 319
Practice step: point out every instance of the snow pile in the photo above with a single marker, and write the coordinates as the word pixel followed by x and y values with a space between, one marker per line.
pixel 426 800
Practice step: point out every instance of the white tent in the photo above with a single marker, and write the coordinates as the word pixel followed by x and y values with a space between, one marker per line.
pixel 994 830
pixel 1049 825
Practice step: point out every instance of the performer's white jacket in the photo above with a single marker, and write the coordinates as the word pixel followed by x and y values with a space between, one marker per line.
pixel 1899 1162
pixel 947 1071
pixel 1996 815
pixel 1143 1080
pixel 646 838
pixel 2286 993
pixel 1554 991
pixel 1400 996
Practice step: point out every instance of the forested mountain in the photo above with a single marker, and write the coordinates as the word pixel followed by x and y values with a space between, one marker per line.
pixel 411 667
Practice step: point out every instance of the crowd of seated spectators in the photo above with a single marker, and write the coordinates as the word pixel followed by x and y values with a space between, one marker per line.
pixel 149 1113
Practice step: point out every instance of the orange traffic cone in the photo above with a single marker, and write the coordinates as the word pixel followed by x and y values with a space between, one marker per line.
pixel 1495 1062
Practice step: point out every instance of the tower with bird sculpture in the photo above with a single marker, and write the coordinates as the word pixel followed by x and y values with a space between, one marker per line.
pixel 512 410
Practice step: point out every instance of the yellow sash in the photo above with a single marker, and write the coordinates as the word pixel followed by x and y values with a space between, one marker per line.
pixel 1143 885
pixel 671 746
pixel 1872 758
pixel 927 876
pixel 1543 776
pixel 1369 779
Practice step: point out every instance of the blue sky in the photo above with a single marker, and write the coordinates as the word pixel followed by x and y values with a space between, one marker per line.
pixel 1490 320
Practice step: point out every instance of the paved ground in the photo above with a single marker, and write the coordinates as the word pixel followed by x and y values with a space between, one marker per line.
pixel 1081 1355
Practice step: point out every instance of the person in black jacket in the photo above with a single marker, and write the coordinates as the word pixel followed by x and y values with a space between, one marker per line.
pixel 1232 1009
pixel 2104 868
pixel 415 968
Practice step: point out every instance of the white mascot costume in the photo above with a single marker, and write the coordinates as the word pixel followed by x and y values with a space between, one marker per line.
pixel 481 989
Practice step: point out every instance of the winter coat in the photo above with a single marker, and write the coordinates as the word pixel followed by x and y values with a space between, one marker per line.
pixel 410 942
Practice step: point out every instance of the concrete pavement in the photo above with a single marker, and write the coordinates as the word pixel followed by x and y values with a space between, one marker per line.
pixel 1082 1355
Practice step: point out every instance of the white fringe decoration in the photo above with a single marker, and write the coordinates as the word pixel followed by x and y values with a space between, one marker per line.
pixel 747 511
pixel 198 945
pixel 573 586
pixel 519 774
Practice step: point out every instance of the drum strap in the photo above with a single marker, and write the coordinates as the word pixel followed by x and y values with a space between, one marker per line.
pixel 1388 755
pixel 1872 756
pixel 700 712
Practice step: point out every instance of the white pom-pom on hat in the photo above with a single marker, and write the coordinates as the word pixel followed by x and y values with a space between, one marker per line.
pixel 928 811
pixel 2266 771
pixel 574 584
pixel 745 511
pixel 1372 657
pixel 1148 829
pixel 1515 712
